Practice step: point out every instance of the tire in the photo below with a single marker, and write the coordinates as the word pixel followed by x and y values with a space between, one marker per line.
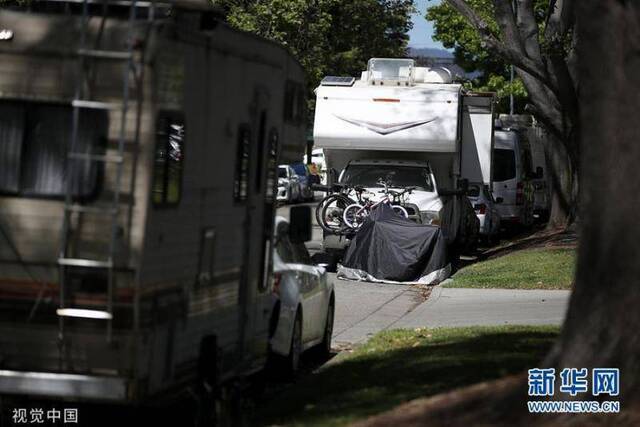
pixel 400 211
pixel 292 361
pixel 325 345
pixel 352 216
pixel 335 202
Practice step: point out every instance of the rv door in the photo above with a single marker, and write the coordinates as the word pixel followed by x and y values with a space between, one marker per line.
pixel 477 138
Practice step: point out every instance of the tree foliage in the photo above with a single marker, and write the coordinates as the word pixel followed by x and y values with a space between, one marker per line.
pixel 538 38
pixel 455 32
pixel 327 36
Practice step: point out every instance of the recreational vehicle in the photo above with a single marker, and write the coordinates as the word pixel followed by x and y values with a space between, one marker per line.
pixel 410 126
pixel 139 145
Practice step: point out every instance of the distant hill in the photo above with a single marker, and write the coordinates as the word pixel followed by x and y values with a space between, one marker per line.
pixel 429 52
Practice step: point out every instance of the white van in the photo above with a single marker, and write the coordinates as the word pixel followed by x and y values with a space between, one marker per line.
pixel 512 177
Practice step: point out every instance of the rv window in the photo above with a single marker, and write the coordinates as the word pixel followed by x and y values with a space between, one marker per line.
pixel 272 164
pixel 241 179
pixel 504 164
pixel 169 159
pixel 34 144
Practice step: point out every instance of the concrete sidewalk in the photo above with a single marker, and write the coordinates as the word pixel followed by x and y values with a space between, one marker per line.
pixel 469 307
pixel 364 309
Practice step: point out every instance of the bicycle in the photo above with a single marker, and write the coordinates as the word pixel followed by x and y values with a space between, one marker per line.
pixel 329 210
pixel 355 214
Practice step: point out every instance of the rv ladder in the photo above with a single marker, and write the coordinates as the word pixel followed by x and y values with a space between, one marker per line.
pixel 82 100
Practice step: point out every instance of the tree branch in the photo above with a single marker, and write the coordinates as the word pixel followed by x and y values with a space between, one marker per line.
pixel 508 52
pixel 528 29
pixel 560 19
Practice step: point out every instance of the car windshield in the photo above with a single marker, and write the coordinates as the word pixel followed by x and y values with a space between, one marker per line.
pixel 282 172
pixel 504 164
pixel 395 176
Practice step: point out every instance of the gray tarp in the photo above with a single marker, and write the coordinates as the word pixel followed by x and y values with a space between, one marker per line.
pixel 390 248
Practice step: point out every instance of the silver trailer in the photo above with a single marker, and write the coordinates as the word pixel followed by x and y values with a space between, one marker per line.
pixel 138 149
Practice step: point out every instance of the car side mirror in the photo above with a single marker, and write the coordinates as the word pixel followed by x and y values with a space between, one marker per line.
pixel 499 200
pixel 300 224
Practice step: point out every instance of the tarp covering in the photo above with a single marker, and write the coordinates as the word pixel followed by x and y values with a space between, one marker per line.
pixel 390 248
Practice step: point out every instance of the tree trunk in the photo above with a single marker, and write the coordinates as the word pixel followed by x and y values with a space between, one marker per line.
pixel 603 320
pixel 563 184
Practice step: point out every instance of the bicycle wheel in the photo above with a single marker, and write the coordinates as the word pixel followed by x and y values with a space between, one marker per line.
pixel 400 211
pixel 329 212
pixel 354 215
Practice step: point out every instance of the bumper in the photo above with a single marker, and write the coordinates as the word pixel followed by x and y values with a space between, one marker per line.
pixel 63 385
pixel 281 340
pixel 484 229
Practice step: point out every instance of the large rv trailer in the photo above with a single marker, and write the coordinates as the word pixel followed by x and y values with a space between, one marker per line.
pixel 138 152
pixel 397 114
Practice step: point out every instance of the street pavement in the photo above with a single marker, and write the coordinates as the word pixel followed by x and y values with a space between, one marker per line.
pixel 363 309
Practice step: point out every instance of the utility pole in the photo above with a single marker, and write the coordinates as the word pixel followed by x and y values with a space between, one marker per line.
pixel 511 108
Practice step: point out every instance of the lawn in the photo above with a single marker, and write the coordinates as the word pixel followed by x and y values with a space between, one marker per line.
pixel 526 269
pixel 401 365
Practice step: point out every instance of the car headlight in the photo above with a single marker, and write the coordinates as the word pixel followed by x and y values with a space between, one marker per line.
pixel 430 217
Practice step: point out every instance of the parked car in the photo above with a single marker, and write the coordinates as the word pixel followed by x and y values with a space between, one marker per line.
pixel 306 180
pixel 486 208
pixel 512 178
pixel 304 304
pixel 288 185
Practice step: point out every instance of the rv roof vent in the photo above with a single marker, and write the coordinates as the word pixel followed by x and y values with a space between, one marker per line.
pixel 433 75
pixel 337 81
pixel 394 71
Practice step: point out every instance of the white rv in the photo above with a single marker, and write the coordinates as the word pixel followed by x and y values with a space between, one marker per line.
pixel 413 127
pixel 138 153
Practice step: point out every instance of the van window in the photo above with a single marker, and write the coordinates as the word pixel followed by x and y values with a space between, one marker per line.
pixel 34 146
pixel 241 178
pixel 169 159
pixel 504 164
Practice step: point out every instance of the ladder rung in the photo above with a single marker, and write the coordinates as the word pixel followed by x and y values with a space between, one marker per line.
pixel 105 54
pixel 96 105
pixel 80 262
pixel 96 157
pixel 92 209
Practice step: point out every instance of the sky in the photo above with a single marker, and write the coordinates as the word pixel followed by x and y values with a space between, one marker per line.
pixel 420 34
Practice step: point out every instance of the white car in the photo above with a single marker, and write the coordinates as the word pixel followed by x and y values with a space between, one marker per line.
pixel 305 301
pixel 288 185
pixel 486 210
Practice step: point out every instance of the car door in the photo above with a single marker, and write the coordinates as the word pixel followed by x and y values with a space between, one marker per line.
pixel 314 294
pixel 300 274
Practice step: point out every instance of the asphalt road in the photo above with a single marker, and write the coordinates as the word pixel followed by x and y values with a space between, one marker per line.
pixel 363 309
